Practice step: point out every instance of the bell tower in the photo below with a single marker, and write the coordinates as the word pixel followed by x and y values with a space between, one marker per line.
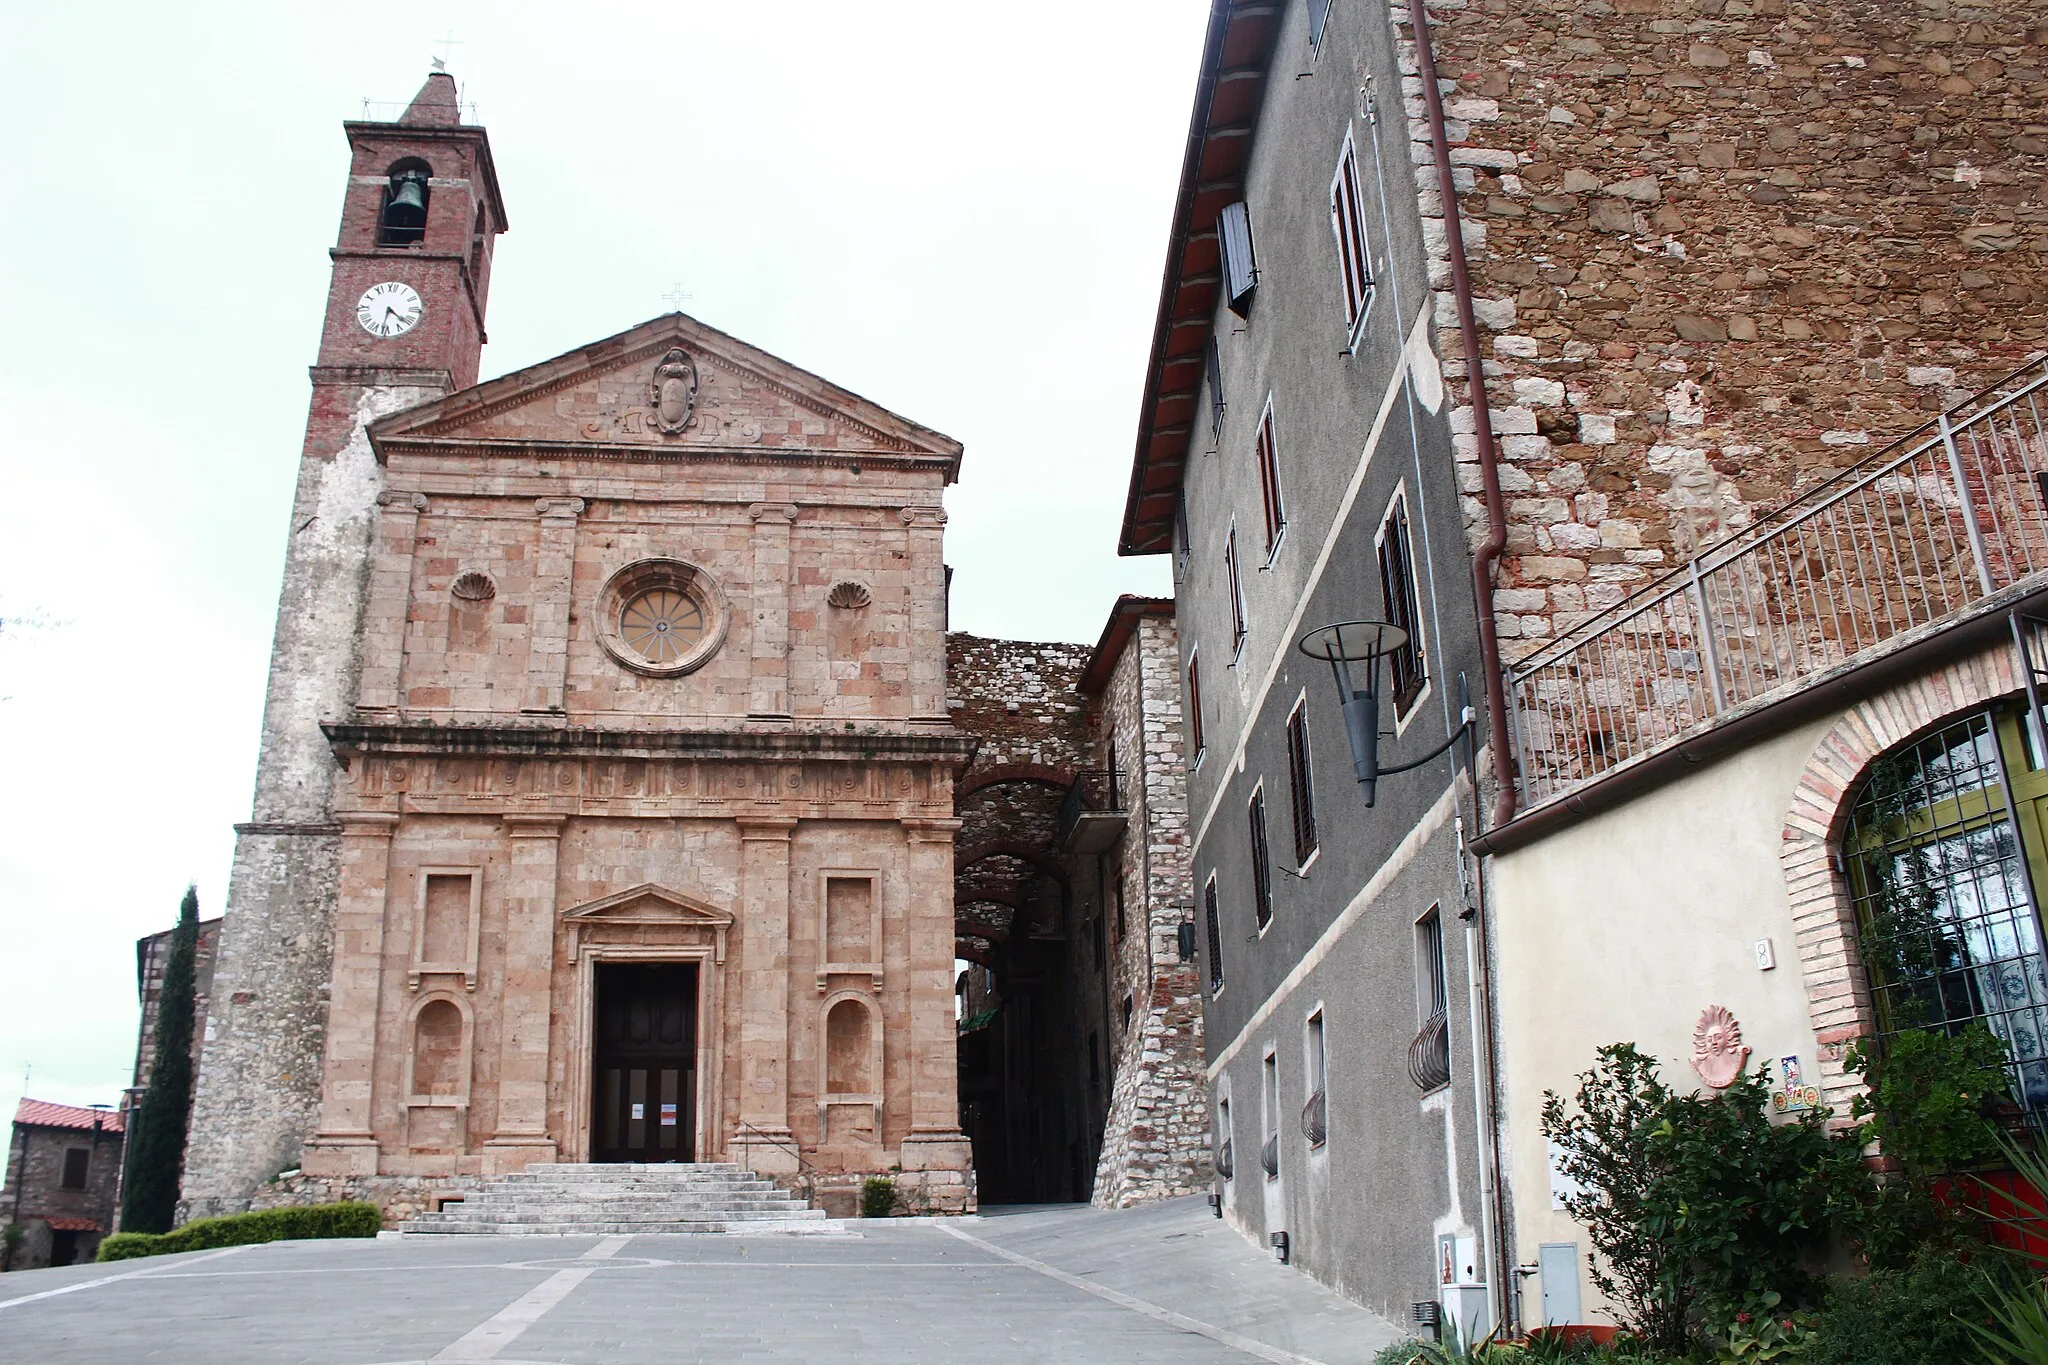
pixel 404 325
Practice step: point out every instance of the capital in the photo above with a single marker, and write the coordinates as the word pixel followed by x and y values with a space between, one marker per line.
pixel 923 516
pixel 403 499
pixel 783 512
pixel 559 509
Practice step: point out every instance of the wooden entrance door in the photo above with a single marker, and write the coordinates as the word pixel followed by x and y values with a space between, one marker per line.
pixel 644 1066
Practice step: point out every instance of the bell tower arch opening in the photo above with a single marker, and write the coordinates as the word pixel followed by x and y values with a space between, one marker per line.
pixel 403 219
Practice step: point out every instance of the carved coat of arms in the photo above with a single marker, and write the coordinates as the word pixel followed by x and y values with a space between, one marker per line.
pixel 673 392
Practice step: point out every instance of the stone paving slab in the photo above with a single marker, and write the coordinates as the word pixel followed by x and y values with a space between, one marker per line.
pixel 1165 1285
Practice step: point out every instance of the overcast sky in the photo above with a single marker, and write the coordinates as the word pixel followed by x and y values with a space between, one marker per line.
pixel 958 211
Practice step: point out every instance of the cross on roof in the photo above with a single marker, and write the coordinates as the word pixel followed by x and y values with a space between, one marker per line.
pixel 675 298
pixel 448 42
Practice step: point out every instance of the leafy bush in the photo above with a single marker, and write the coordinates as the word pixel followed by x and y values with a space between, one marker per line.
pixel 243 1229
pixel 877 1196
pixel 1910 1315
pixel 1695 1203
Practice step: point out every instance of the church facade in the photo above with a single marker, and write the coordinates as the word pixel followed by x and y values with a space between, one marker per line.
pixel 605 806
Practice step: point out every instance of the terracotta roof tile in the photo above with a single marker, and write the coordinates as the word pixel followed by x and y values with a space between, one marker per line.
pixel 65 1223
pixel 43 1114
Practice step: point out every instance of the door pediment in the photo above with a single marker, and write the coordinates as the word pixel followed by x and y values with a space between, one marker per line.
pixel 648 914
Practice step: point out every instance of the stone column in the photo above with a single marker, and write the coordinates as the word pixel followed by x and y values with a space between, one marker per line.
pixel 345 1143
pixel 769 696
pixel 547 659
pixel 389 599
pixel 935 1142
pixel 927 561
pixel 763 995
pixel 526 1004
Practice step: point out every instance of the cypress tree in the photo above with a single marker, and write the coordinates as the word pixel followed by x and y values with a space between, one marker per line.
pixel 156 1128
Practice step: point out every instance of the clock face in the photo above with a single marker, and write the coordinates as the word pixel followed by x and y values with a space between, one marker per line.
pixel 389 309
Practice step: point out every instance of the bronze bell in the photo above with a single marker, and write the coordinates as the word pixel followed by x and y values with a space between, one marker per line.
pixel 406 210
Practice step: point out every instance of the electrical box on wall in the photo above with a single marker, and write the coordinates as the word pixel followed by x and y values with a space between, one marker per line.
pixel 1464 1305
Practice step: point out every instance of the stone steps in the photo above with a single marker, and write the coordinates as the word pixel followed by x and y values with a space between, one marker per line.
pixel 615 1199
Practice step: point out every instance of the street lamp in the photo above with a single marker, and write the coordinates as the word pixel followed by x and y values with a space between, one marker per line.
pixel 1354 650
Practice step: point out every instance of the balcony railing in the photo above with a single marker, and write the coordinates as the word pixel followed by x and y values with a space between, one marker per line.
pixel 1429 1056
pixel 1315 1119
pixel 1917 533
pixel 1092 817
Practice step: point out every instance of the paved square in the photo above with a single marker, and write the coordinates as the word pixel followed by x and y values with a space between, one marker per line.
pixel 1164 1285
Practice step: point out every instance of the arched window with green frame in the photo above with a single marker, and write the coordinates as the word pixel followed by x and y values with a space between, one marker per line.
pixel 1944 852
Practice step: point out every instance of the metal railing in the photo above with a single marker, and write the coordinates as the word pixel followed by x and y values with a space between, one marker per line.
pixel 1429 1056
pixel 1093 791
pixel 1226 1160
pixel 1920 531
pixel 1315 1119
pixel 1269 1155
pixel 806 1173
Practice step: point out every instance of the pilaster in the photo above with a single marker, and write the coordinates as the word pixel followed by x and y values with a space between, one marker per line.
pixel 345 1143
pixel 390 594
pixel 769 695
pixel 935 1141
pixel 525 1013
pixel 547 659
pixel 764 993
pixel 927 528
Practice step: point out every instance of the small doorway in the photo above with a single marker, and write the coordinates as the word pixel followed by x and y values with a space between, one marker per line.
pixel 644 1063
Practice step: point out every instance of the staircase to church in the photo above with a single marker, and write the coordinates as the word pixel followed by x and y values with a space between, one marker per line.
pixel 677 1197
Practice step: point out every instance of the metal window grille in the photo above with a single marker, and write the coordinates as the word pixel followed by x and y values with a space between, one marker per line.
pixel 1269 480
pixel 1238 628
pixel 1945 908
pixel 1262 869
pixel 1347 220
pixel 1240 268
pixel 1269 1155
pixel 1215 368
pixel 1315 1120
pixel 1215 927
pixel 1429 1056
pixel 1300 784
pixel 1226 1160
pixel 1397 585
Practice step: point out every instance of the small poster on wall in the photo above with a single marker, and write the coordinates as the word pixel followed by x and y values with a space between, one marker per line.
pixel 1793 1093
pixel 668 1116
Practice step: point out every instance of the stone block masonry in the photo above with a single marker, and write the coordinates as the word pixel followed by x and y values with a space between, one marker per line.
pixel 1722 249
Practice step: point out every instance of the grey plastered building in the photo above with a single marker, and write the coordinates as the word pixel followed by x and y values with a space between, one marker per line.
pixel 1296 456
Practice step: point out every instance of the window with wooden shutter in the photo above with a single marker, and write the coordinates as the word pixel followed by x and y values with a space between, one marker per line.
pixel 1269 480
pixel 1231 572
pixel 1240 268
pixel 1300 785
pixel 1214 924
pixel 1215 376
pixel 1195 737
pixel 1354 256
pixel 1318 16
pixel 1262 863
pixel 1405 670
pixel 1184 551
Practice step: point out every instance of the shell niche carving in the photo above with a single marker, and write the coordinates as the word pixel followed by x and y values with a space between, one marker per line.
pixel 1718 1052
pixel 474 587
pixel 848 595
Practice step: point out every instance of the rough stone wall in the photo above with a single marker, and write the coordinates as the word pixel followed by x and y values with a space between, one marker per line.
pixel 1722 249
pixel 1021 699
pixel 1155 1143
pixel 35 1162
pixel 151 953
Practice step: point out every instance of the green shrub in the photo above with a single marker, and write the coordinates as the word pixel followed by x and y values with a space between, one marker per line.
pixel 1908 1316
pixel 877 1196
pixel 244 1229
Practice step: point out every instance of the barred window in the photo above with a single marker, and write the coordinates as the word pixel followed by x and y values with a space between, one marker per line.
pixel 1262 866
pixel 1354 255
pixel 1300 784
pixel 1215 928
pixel 1269 479
pixel 1397 585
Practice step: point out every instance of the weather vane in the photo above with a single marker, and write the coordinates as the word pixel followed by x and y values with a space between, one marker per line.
pixel 448 43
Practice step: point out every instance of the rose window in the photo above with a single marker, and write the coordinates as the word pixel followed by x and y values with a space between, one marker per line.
pixel 662 626
pixel 661 617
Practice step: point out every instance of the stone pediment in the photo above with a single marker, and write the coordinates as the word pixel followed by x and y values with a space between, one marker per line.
pixel 650 907
pixel 670 386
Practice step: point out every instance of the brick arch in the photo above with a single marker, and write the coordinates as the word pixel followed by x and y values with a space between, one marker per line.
pixel 1037 857
pixel 1013 772
pixel 1823 921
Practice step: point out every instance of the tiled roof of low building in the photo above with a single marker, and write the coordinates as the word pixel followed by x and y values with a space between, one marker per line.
pixel 44 1114
pixel 60 1222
